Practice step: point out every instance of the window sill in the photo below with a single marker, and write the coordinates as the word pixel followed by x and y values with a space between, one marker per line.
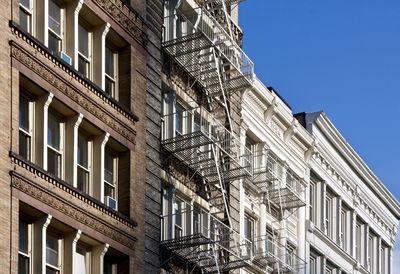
pixel 41 173
pixel 17 29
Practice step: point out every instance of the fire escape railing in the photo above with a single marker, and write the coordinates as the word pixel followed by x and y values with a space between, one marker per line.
pixel 204 241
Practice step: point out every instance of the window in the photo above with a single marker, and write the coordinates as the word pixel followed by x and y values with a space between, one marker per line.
pixel 179 119
pixel 54 144
pixel 24 252
pixel 343 229
pixel 25 127
pixel 370 253
pixel 313 265
pixel 84 164
pixel 328 216
pixel 82 260
pixel 110 174
pixel 55 21
pixel 53 254
pixel 312 202
pixel 111 72
pixel 26 15
pixel 84 49
pixel 358 242
pixel 249 228
pixel 179 207
pixel 290 258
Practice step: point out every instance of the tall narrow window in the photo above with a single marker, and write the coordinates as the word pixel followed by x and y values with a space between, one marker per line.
pixel 343 229
pixel 26 14
pixel 358 242
pixel 179 119
pixel 383 260
pixel 328 215
pixel 312 201
pixel 55 21
pixel 53 254
pixel 312 265
pixel 179 207
pixel 84 49
pixel 24 252
pixel 84 151
pixel 110 178
pixel 249 228
pixel 54 144
pixel 111 72
pixel 370 253
pixel 82 260
pixel 290 255
pixel 25 127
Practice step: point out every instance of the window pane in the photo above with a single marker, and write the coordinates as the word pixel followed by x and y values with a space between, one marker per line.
pixel 52 250
pixel 25 20
pixel 23 264
pixel 51 271
pixel 109 87
pixel 108 168
pixel 24 145
pixel 109 62
pixel 109 190
pixel 24 113
pixel 82 150
pixel 80 261
pixel 26 3
pixel 23 237
pixel 55 17
pixel 83 180
pixel 83 66
pixel 109 267
pixel 53 162
pixel 54 43
pixel 83 41
pixel 53 133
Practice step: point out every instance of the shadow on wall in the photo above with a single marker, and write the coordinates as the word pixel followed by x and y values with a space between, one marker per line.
pixel 396 256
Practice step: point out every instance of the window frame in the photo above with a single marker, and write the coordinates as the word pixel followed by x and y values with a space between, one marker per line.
pixel 87 256
pixel 89 168
pixel 30 132
pixel 60 151
pixel 329 215
pixel 114 52
pixel 28 254
pixel 82 23
pixel 59 238
pixel 29 11
pixel 113 185
pixel 51 32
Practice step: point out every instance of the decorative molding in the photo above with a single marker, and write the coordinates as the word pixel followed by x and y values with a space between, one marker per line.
pixel 65 207
pixel 126 18
pixel 358 202
pixel 73 93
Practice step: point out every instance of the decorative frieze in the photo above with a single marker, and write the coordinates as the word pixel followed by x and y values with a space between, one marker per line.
pixel 66 206
pixel 126 18
pixel 77 95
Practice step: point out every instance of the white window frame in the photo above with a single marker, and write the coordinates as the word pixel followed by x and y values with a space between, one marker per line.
pixel 329 215
pixel 312 204
pixel 59 151
pixel 29 132
pixel 358 241
pixel 343 228
pixel 114 184
pixel 59 36
pixel 59 253
pixel 27 255
pixel 89 156
pixel 115 92
pixel 30 14
pixel 87 257
pixel 88 59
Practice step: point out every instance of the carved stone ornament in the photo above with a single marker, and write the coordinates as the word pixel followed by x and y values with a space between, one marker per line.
pixel 125 17
pixel 72 92
pixel 30 188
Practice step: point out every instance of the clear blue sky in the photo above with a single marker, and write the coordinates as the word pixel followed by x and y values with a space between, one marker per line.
pixel 339 56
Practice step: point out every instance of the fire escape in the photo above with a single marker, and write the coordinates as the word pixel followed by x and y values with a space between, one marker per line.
pixel 280 194
pixel 202 138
